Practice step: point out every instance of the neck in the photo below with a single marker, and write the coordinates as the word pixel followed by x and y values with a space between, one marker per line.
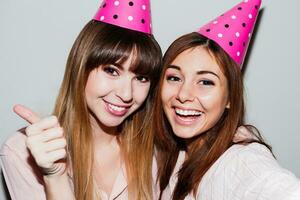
pixel 103 135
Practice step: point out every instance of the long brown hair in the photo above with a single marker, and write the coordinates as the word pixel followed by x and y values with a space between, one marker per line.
pixel 206 148
pixel 99 44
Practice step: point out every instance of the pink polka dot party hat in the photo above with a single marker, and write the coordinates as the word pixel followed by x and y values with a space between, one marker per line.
pixel 233 29
pixel 130 14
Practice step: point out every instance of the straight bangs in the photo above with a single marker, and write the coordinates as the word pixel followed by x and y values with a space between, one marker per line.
pixel 114 44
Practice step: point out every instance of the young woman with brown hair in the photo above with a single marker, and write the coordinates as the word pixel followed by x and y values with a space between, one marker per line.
pixel 201 94
pixel 92 147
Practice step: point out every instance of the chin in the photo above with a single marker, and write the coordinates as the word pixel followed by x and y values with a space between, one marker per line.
pixel 189 132
pixel 109 121
pixel 112 123
pixel 185 134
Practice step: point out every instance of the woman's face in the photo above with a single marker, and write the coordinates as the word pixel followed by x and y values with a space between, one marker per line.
pixel 113 92
pixel 194 92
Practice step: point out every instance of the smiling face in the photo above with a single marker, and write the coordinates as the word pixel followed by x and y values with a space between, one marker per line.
pixel 194 92
pixel 113 92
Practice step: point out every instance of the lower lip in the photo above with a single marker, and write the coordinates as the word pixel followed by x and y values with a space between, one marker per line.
pixel 115 112
pixel 185 121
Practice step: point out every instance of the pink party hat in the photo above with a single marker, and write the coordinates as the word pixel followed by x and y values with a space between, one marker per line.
pixel 130 14
pixel 233 29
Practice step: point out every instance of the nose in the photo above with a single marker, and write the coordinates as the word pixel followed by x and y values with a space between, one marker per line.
pixel 185 93
pixel 125 90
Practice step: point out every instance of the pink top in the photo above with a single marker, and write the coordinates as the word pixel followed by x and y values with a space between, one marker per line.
pixel 242 172
pixel 25 182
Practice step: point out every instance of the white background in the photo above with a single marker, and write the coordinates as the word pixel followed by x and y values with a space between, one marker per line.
pixel 36 36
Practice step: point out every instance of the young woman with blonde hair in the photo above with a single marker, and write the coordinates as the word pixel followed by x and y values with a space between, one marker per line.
pixel 93 146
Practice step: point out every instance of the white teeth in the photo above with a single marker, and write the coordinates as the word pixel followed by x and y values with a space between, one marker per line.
pixel 116 108
pixel 187 112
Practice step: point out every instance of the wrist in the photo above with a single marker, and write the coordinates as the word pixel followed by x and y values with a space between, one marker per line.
pixel 58 175
pixel 58 187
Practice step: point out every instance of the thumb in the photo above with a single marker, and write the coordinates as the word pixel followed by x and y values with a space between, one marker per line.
pixel 26 113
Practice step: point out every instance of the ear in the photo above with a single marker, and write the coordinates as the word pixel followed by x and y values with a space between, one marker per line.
pixel 228 105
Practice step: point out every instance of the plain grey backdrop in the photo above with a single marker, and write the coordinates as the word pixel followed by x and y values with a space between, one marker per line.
pixel 36 36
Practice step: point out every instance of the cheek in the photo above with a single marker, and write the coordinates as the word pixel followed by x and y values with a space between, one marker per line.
pixel 167 92
pixel 214 101
pixel 90 86
pixel 208 99
pixel 141 93
pixel 97 84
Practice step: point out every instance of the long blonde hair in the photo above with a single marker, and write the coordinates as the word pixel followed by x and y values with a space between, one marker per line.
pixel 100 44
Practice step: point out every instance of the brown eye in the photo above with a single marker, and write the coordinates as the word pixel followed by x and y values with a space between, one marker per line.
pixel 207 82
pixel 173 78
pixel 110 70
pixel 142 79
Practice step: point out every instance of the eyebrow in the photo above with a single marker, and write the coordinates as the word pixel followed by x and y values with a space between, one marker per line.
pixel 207 72
pixel 198 72
pixel 174 67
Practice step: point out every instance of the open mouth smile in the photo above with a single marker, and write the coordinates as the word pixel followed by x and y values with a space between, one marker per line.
pixel 116 110
pixel 187 116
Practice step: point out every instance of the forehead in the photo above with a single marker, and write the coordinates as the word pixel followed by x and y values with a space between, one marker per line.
pixel 196 59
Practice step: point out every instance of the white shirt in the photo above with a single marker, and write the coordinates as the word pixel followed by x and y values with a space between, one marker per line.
pixel 243 172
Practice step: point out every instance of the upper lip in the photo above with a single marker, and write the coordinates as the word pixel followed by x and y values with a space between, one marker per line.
pixel 124 106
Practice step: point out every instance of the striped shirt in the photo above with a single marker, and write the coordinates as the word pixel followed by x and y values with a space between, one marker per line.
pixel 243 172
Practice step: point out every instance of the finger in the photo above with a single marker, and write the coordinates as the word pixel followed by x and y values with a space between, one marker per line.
pixel 36 140
pixel 26 113
pixel 56 155
pixel 55 145
pixel 51 134
pixel 42 125
pixel 243 134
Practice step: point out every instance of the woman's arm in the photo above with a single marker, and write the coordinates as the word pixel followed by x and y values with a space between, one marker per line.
pixel 58 187
pixel 22 176
pixel 248 172
pixel 44 142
